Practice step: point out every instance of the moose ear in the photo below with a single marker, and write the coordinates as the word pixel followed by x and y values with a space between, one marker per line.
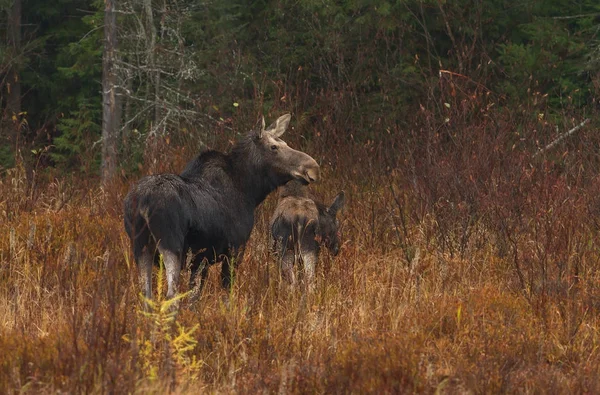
pixel 338 203
pixel 259 129
pixel 279 127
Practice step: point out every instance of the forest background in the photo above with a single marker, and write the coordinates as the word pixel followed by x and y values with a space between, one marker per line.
pixel 464 133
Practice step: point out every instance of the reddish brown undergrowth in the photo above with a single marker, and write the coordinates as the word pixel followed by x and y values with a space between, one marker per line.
pixel 468 265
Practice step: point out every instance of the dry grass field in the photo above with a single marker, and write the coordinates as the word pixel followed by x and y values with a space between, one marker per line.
pixel 467 267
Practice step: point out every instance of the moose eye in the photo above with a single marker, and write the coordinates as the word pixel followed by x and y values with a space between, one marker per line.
pixel 274 147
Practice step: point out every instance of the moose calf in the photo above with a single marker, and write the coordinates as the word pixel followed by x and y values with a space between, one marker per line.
pixel 299 226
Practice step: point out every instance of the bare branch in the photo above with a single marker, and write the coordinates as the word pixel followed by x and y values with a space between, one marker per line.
pixel 576 16
pixel 561 137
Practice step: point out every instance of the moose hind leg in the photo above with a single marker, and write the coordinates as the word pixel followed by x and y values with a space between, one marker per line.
pixel 144 262
pixel 172 261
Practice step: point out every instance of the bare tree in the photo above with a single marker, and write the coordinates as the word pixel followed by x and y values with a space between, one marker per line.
pixel 110 110
pixel 153 68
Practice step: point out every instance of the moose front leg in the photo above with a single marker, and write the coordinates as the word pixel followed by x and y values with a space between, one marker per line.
pixel 230 263
pixel 196 284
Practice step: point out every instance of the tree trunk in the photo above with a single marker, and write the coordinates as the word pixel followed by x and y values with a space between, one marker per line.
pixel 13 84
pixel 125 129
pixel 110 113
pixel 160 122
pixel 151 47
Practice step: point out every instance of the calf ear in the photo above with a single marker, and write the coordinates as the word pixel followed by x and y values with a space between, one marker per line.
pixel 279 127
pixel 338 203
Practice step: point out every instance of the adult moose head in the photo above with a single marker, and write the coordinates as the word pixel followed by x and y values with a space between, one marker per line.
pixel 299 226
pixel 209 207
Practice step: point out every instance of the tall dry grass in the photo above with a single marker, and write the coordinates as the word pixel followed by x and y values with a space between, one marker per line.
pixel 467 266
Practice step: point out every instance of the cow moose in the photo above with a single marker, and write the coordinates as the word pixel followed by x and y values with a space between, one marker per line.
pixel 209 207
pixel 299 225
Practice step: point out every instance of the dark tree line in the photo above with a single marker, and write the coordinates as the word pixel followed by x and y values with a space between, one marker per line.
pixel 91 85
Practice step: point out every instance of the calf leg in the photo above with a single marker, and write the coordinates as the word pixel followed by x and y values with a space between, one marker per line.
pixel 286 259
pixel 309 260
pixel 287 267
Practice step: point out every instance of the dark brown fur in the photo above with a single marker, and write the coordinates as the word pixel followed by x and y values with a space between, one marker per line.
pixel 209 207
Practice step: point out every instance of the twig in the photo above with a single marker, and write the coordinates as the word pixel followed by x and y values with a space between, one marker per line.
pixel 452 73
pixel 561 137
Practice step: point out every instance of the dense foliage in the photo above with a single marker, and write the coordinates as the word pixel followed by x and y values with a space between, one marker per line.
pixel 343 67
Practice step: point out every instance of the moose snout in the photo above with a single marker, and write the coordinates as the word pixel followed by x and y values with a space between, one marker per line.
pixel 308 172
pixel 313 173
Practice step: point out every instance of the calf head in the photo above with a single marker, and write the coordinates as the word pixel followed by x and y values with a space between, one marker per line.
pixel 281 161
pixel 329 224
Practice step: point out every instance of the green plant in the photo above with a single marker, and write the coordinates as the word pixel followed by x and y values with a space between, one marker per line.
pixel 165 346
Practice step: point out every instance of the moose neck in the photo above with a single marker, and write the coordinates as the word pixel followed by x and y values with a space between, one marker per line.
pixel 252 176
